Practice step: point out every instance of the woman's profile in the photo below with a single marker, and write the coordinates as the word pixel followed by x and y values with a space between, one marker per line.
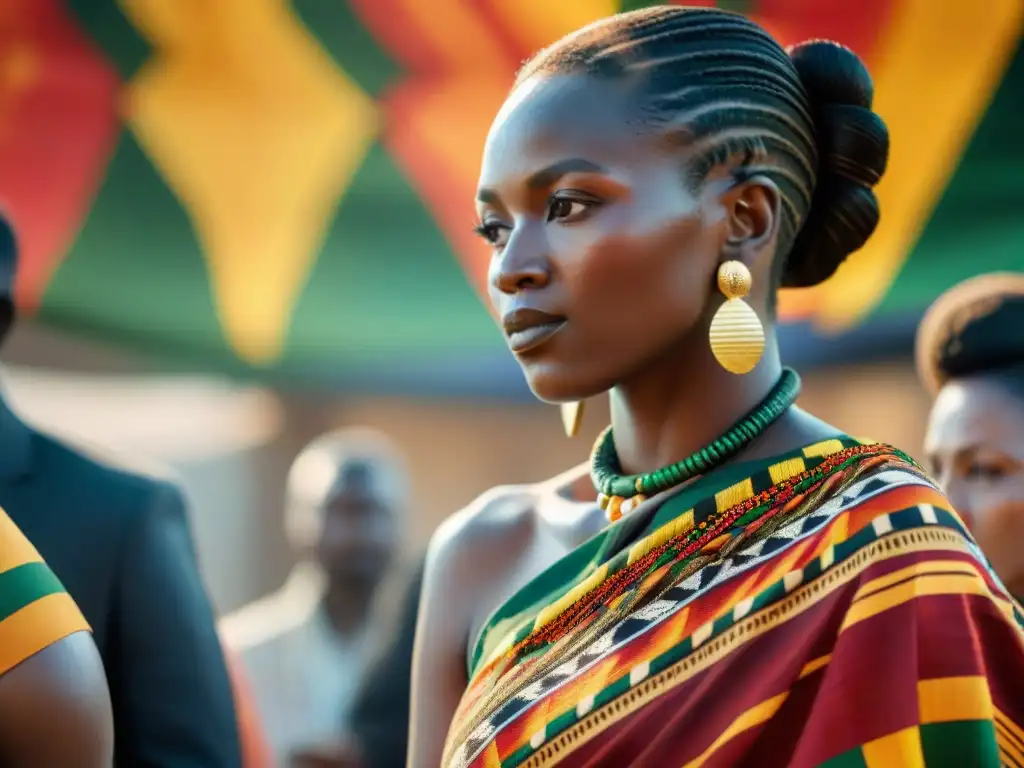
pixel 731 580
pixel 970 356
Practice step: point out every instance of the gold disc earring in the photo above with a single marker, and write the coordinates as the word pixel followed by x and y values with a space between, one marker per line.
pixel 572 416
pixel 736 335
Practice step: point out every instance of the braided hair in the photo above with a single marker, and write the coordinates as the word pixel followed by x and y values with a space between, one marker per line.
pixel 976 328
pixel 733 95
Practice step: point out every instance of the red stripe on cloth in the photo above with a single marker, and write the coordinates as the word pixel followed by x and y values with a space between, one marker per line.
pixel 870 688
pixel 683 723
pixel 890 501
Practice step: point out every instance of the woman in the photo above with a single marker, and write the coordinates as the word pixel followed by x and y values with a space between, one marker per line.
pixel 769 591
pixel 54 706
pixel 970 352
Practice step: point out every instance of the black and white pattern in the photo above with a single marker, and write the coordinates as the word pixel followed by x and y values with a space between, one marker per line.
pixel 650 615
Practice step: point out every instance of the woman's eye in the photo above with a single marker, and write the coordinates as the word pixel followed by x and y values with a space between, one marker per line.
pixel 986 472
pixel 562 208
pixel 493 233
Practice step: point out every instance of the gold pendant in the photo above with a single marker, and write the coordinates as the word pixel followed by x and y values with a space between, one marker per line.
pixel 572 417
pixel 737 337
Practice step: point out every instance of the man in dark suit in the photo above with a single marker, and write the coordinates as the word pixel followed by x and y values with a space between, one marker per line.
pixel 380 714
pixel 121 544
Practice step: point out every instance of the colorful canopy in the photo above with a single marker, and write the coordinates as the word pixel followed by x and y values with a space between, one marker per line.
pixel 283 187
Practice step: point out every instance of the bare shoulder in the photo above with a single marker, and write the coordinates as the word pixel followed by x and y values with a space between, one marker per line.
pixel 472 556
pixel 491 526
pixel 55 709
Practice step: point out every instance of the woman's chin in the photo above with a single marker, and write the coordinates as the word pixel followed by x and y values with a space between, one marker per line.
pixel 554 384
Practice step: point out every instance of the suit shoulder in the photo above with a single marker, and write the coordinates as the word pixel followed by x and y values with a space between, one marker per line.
pixel 117 474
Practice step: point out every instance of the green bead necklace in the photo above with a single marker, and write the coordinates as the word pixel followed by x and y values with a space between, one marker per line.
pixel 620 493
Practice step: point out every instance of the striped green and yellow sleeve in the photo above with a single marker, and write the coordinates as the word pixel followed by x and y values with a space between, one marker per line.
pixel 35 609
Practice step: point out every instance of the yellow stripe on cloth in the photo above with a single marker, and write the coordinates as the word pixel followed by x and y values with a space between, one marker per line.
pixel 814 665
pixel 917 569
pixel 491 757
pixel 1003 720
pixel 734 494
pixel 920 586
pixel 786 469
pixel 902 749
pixel 670 530
pixel 37 626
pixel 15 549
pixel 752 718
pixel 552 611
pixel 950 699
pixel 823 449
pixel 1009 746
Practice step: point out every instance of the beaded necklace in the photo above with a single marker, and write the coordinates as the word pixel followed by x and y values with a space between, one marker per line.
pixel 619 493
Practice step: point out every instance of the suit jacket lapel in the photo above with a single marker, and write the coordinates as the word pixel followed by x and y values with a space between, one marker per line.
pixel 16 444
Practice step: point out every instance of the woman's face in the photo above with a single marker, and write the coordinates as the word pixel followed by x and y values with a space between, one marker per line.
pixel 603 260
pixel 975 445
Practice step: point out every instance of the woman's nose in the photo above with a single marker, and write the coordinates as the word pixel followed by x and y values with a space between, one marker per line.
pixel 521 266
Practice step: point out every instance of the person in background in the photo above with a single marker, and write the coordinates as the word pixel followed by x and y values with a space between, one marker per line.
pixel 380 714
pixel 304 646
pixel 970 356
pixel 121 544
pixel 54 704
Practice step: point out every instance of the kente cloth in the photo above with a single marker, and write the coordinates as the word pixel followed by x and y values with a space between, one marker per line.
pixel 823 608
pixel 35 609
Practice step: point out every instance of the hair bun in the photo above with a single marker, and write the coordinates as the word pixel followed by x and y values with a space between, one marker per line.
pixel 832 74
pixel 975 327
pixel 853 143
pixel 853 150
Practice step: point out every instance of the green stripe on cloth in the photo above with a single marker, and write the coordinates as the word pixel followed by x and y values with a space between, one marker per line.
pixel 962 743
pixel 852 759
pixel 23 585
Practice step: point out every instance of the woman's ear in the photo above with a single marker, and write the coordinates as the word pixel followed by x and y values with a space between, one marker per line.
pixel 752 210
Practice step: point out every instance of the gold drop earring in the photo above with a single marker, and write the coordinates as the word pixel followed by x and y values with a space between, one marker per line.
pixel 736 335
pixel 572 416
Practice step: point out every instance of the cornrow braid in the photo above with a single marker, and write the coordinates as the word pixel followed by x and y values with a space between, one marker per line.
pixel 719 81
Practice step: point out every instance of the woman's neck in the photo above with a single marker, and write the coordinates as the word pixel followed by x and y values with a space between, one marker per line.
pixel 677 406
